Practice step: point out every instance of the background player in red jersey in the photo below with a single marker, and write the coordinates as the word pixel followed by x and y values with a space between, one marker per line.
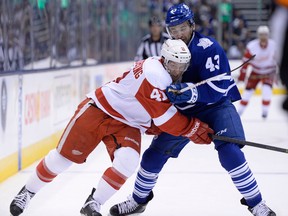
pixel 263 69
pixel 116 114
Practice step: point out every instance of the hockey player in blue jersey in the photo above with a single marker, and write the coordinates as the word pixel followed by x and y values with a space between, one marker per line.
pixel 212 103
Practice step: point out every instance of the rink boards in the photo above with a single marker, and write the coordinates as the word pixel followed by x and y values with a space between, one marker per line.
pixel 36 106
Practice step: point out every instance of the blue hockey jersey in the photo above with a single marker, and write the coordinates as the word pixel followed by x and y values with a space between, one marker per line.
pixel 208 60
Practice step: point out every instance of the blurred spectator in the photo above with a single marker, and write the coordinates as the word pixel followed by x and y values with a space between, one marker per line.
pixel 240 32
pixel 206 28
pixel 226 9
pixel 151 43
pixel 237 16
pixel 236 51
pixel 240 36
pixel 15 54
pixel 105 30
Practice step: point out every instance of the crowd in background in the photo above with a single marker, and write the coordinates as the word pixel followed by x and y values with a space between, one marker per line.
pixel 104 30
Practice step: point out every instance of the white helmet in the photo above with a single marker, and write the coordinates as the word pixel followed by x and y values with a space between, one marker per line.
pixel 176 51
pixel 263 30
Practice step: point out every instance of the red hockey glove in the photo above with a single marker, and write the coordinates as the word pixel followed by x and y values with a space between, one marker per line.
pixel 199 131
pixel 242 75
pixel 153 130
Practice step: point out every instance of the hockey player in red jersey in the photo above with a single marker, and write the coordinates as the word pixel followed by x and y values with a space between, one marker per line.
pixel 116 114
pixel 263 69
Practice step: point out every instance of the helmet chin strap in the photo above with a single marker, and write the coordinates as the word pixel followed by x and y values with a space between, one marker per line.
pixel 192 31
pixel 167 30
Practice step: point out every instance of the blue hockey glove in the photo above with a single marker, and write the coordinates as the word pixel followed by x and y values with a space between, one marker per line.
pixel 175 96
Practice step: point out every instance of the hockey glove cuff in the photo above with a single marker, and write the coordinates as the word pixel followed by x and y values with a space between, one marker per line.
pixel 199 132
pixel 242 75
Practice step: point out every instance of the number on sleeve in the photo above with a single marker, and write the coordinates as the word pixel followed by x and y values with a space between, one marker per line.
pixel 158 95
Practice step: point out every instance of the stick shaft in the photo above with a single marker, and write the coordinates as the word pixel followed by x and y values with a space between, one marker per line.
pixel 252 57
pixel 217 77
pixel 253 144
pixel 214 78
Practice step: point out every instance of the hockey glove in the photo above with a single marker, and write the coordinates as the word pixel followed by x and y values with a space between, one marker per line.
pixel 199 132
pixel 175 96
pixel 242 75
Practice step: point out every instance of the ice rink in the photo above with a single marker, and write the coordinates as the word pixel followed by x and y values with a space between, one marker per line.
pixel 194 184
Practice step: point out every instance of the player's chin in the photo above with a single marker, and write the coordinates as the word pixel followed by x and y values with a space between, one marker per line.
pixel 175 78
pixel 186 41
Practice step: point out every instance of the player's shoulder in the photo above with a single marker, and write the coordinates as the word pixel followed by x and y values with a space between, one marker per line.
pixel 155 73
pixel 204 44
pixel 203 47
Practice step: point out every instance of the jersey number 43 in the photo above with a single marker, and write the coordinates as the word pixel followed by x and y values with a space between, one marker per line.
pixel 212 64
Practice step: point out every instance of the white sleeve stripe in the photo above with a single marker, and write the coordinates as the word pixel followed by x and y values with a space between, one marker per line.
pixel 165 117
pixel 186 107
pixel 230 87
pixel 216 88
pixel 227 77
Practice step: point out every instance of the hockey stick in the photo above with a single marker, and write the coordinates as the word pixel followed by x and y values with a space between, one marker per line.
pixel 243 142
pixel 262 76
pixel 245 62
pixel 214 78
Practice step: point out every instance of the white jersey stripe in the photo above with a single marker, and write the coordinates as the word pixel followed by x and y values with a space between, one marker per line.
pixel 216 88
pixel 167 115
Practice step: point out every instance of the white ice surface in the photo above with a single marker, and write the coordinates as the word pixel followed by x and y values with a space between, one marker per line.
pixel 194 184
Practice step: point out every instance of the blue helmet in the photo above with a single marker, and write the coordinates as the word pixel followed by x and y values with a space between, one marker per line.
pixel 178 14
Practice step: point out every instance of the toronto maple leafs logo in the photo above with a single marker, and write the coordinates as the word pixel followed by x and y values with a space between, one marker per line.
pixel 205 42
